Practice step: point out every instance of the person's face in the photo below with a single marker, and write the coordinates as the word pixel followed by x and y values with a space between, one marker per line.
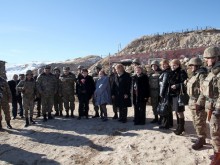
pixel 193 68
pixel 84 74
pixel 66 72
pixel 174 67
pixel 154 67
pixel 210 61
pixel 164 66
pixel 101 74
pixel 138 70
pixel 15 77
pixel 46 71
pixel 56 72
pixel 21 77
pixel 29 76
pixel 119 70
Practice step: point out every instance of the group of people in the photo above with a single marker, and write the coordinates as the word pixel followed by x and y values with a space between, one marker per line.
pixel 166 81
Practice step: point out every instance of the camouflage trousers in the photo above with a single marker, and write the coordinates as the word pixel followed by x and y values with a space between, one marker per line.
pixel 47 104
pixel 154 103
pixel 28 105
pixel 69 102
pixel 215 132
pixel 5 107
pixel 58 103
pixel 199 122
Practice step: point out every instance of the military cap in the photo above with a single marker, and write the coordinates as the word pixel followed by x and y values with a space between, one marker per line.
pixel 99 66
pixel 195 61
pixel 28 72
pixel 66 68
pixel 136 61
pixel 47 67
pixel 80 67
pixel 212 51
pixel 155 62
pixel 56 68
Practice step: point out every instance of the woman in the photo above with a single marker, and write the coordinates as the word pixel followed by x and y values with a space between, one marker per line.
pixel 121 92
pixel 140 88
pixel 85 88
pixel 102 93
pixel 167 121
pixel 176 84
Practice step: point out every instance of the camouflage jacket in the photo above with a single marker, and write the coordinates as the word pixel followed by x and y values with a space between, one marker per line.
pixel 27 88
pixel 210 89
pixel 5 91
pixel 46 84
pixel 67 83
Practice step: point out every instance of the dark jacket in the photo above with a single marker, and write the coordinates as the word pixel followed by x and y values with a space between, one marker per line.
pixel 122 86
pixel 85 86
pixel 177 77
pixel 12 85
pixel 140 88
pixel 164 82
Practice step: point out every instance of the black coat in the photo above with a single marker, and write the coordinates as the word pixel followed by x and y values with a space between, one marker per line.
pixel 164 82
pixel 140 88
pixel 12 85
pixel 87 88
pixel 177 77
pixel 122 86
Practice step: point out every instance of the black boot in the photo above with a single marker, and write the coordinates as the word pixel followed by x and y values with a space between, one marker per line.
pixel 27 123
pixel 32 121
pixel 8 125
pixel 155 120
pixel 181 127
pixel 96 114
pixel 61 113
pixel 45 118
pixel 56 114
pixel 115 116
pixel 178 123
pixel 0 125
pixel 50 116
pixel 72 115
pixel 67 114
pixel 38 114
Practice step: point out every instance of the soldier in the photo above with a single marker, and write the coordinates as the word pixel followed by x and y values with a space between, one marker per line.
pixel 47 87
pixel 38 99
pixel 193 89
pixel 27 88
pixel 58 102
pixel 67 90
pixel 209 98
pixel 98 67
pixel 154 88
pixel 5 98
pixel 79 70
pixel 19 98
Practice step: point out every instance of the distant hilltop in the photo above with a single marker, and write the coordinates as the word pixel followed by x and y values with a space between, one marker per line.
pixel 170 45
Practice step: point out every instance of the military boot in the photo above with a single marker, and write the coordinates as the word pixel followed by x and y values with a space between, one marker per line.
pixel 72 115
pixel 27 123
pixel 8 124
pixel 32 121
pixel 45 118
pixel 50 116
pixel 155 120
pixel 199 144
pixel 67 114
pixel 181 127
pixel 216 159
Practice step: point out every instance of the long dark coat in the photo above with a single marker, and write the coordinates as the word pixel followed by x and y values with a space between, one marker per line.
pixel 141 88
pixel 122 86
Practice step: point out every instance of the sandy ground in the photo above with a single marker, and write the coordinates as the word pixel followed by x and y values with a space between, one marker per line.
pixel 91 141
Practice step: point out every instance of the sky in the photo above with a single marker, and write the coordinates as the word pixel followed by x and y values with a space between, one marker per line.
pixel 58 30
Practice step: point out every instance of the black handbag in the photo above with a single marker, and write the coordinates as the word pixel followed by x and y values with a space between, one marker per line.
pixel 163 109
pixel 183 98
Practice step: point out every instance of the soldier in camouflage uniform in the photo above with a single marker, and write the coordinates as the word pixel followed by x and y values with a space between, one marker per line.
pixel 5 98
pixel 67 90
pixel 154 88
pixel 98 67
pixel 47 87
pixel 209 98
pixel 58 102
pixel 193 89
pixel 27 88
